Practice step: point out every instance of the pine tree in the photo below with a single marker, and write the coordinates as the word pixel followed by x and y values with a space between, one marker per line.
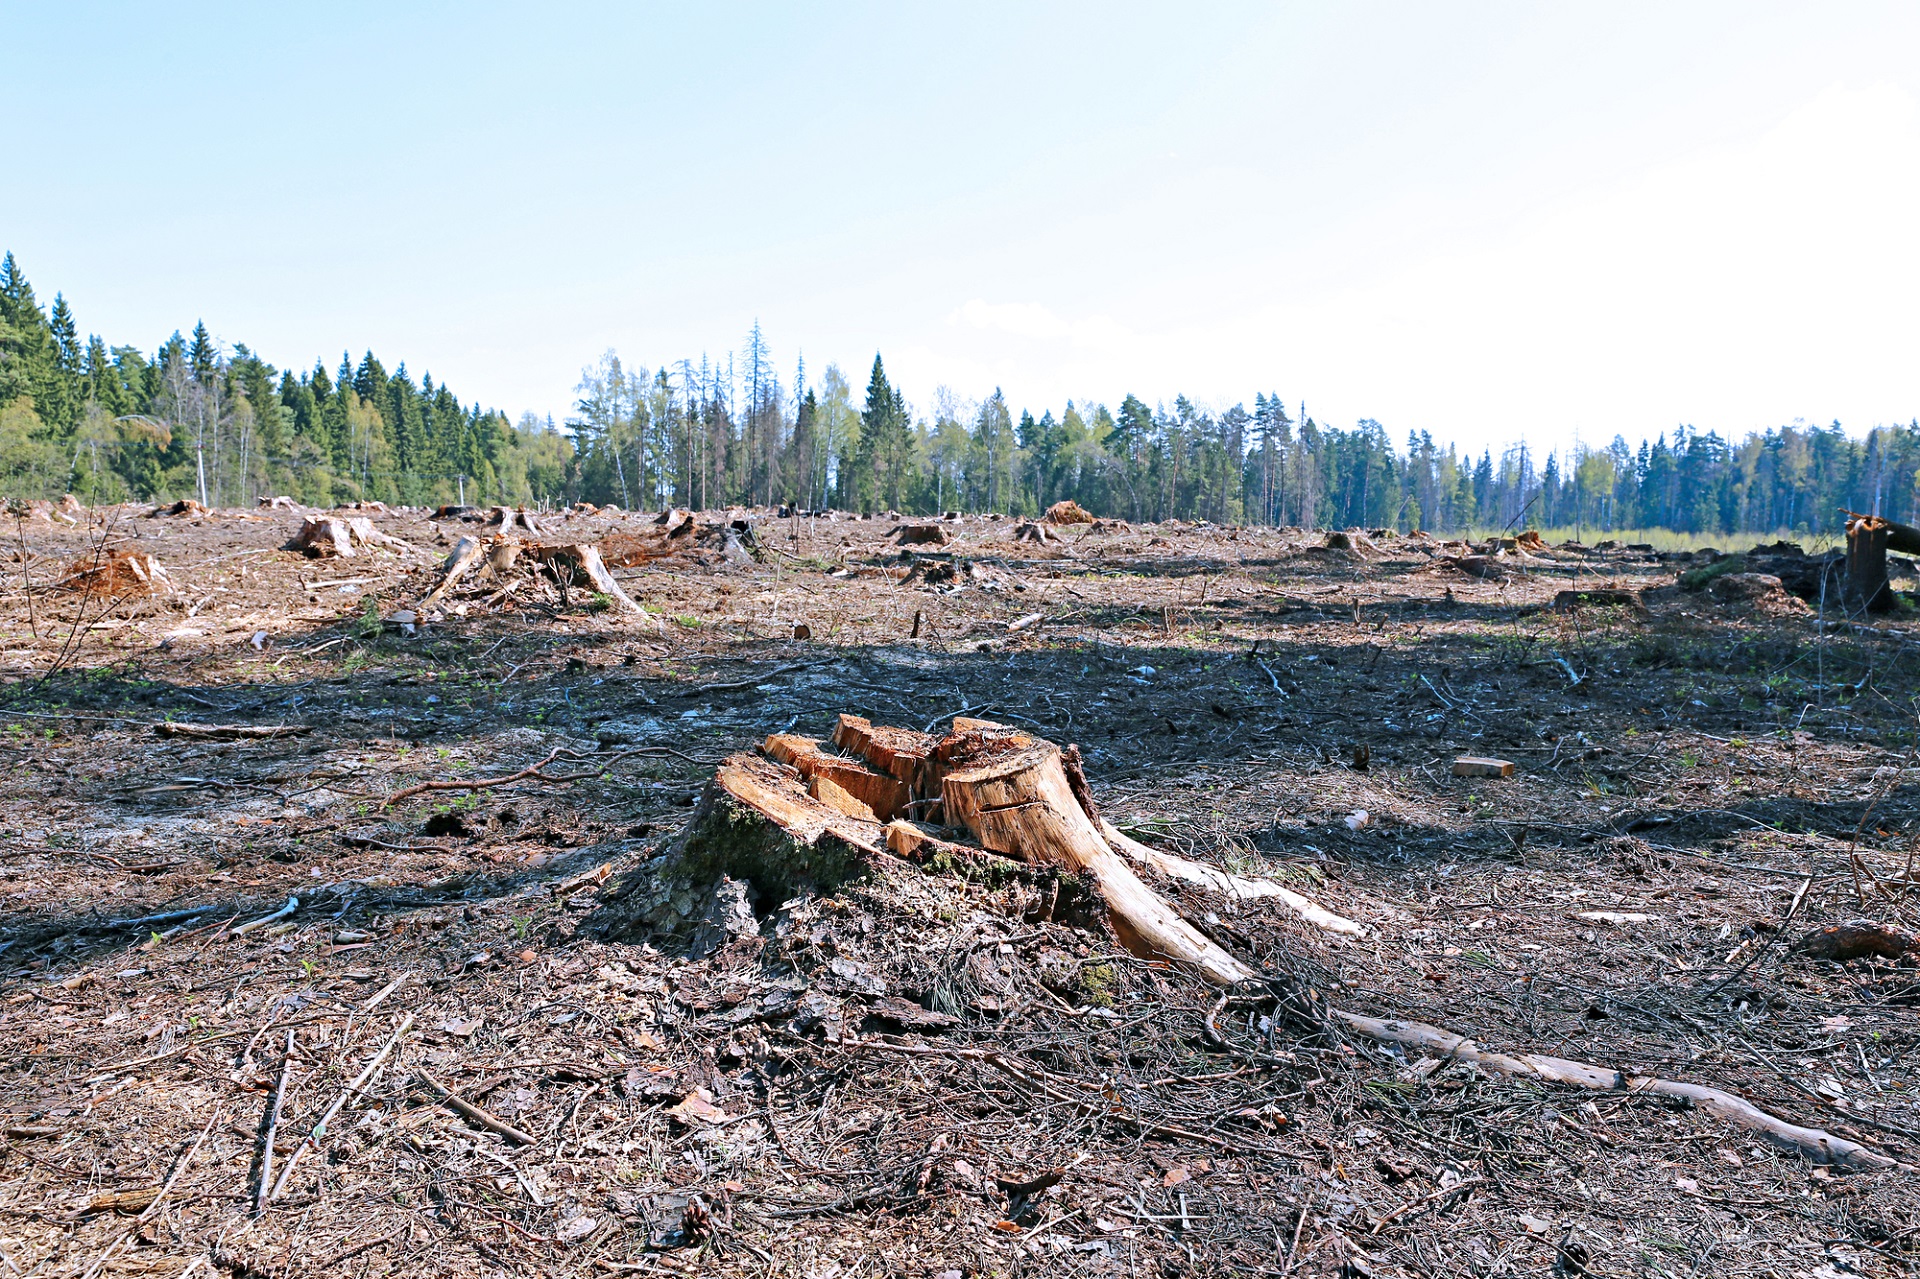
pixel 869 459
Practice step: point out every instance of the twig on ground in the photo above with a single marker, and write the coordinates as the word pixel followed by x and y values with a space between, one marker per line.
pixel 467 1110
pixel 261 1195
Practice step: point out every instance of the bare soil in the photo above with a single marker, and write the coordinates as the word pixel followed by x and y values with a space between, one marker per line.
pixel 1700 783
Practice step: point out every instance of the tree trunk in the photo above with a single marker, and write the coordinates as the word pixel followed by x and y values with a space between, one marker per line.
pixel 1867 542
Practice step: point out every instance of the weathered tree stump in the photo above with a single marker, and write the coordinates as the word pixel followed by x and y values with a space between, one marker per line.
pixel 798 817
pixel 1867 541
pixel 329 535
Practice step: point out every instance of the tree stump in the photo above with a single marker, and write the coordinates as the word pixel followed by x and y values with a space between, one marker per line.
pixel 793 818
pixel 334 535
pixel 797 814
pixel 1867 588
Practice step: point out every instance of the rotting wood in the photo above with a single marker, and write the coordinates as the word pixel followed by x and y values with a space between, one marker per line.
pixel 1857 939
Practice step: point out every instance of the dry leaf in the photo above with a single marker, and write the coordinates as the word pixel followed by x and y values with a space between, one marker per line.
pixel 698 1104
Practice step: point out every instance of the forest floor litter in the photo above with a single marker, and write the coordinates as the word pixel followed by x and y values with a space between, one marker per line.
pixel 318 956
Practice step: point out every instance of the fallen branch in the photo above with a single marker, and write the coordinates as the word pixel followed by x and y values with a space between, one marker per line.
pixel 229 732
pixel 1816 1144
pixel 293 904
pixel 1230 885
pixel 260 1195
pixel 467 1110
pixel 319 1130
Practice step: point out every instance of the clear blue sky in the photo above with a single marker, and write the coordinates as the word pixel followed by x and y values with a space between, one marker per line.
pixel 1485 220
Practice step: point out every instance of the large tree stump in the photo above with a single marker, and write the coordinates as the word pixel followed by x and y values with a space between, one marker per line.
pixel 582 560
pixel 798 817
pixel 329 535
pixel 801 814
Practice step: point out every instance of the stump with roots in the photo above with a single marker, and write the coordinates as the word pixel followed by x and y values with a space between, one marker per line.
pixel 798 816
pixel 569 563
pixel 335 535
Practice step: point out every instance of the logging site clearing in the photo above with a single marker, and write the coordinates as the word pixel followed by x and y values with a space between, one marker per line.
pixel 489 892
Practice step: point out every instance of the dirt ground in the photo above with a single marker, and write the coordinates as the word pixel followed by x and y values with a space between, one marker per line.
pixel 1700 782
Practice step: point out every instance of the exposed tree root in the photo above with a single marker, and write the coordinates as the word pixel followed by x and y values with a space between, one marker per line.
pixel 1820 1146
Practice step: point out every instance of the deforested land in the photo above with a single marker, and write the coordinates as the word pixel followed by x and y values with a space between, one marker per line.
pixel 781 891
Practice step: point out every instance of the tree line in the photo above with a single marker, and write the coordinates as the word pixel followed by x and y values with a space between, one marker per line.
pixel 196 419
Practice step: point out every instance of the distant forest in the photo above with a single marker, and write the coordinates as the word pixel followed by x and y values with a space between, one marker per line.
pixel 197 419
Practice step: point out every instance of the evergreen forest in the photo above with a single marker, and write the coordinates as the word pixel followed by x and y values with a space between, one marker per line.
pixel 196 418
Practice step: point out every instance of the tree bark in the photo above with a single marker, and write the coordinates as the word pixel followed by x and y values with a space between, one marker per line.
pixel 1868 539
